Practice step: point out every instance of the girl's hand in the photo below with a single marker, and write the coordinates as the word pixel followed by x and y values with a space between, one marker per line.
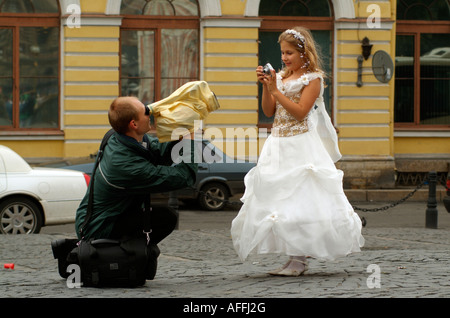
pixel 268 100
pixel 260 74
pixel 271 82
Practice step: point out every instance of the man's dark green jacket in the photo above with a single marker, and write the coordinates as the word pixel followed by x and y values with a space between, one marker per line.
pixel 127 173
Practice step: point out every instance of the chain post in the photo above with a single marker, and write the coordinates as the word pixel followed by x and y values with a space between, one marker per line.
pixel 431 212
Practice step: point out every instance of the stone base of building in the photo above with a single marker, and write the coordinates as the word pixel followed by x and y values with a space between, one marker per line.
pixel 414 169
pixel 366 172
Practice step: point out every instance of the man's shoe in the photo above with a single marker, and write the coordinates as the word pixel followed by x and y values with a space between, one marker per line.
pixel 61 249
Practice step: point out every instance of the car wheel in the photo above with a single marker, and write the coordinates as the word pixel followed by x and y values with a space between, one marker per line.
pixel 211 191
pixel 19 216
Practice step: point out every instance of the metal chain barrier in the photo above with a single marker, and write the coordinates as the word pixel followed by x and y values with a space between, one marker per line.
pixel 384 208
pixel 431 219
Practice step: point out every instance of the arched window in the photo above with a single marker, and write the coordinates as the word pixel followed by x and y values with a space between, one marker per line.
pixel 422 64
pixel 295 8
pixel 29 65
pixel 277 16
pixel 29 6
pixel 428 10
pixel 160 7
pixel 159 47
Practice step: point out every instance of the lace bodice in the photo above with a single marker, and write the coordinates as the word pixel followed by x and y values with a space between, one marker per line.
pixel 284 124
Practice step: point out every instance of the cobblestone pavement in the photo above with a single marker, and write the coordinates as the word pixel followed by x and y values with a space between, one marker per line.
pixel 396 262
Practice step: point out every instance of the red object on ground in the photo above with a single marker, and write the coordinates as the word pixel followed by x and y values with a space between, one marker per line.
pixel 10 266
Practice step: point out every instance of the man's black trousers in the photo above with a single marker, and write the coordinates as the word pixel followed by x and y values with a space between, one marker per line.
pixel 163 221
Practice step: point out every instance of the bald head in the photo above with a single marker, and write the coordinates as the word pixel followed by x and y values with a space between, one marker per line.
pixel 122 111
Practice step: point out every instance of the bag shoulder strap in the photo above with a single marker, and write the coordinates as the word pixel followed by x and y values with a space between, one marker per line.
pixel 105 139
pixel 147 227
pixel 91 185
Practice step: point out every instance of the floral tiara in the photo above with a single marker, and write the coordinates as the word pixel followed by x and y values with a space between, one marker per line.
pixel 297 36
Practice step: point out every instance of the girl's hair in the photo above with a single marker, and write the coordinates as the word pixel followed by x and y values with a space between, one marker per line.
pixel 306 46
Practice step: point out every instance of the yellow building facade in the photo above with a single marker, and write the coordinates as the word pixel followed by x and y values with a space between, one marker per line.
pixel 229 32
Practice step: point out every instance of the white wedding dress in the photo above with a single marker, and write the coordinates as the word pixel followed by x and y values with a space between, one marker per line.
pixel 294 201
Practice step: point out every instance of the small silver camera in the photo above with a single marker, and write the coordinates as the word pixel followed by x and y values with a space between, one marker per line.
pixel 267 69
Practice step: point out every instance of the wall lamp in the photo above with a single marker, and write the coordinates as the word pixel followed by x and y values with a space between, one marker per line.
pixel 366 49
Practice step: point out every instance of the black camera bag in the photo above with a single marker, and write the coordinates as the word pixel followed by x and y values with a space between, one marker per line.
pixel 116 263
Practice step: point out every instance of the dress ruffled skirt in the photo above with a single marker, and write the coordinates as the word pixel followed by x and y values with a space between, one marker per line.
pixel 294 203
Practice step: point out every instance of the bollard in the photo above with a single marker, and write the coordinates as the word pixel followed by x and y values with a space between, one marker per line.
pixel 173 203
pixel 431 213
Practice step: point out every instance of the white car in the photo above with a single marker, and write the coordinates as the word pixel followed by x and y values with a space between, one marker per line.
pixel 34 197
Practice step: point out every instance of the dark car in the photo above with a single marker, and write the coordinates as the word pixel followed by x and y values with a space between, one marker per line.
pixel 218 178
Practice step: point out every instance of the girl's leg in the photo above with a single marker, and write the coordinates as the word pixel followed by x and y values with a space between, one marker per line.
pixel 296 266
pixel 276 271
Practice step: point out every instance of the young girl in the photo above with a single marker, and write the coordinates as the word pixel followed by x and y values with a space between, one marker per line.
pixel 294 202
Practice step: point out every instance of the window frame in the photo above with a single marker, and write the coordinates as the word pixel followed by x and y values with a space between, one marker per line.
pixel 15 21
pixel 416 28
pixel 156 24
